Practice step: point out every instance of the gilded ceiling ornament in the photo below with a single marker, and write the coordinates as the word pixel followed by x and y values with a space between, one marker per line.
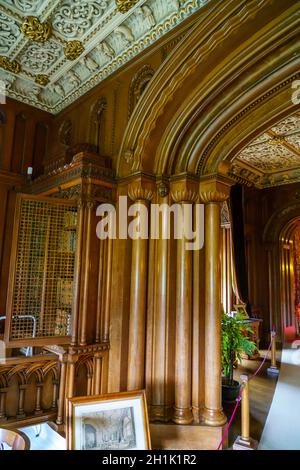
pixel 269 158
pixel 35 30
pixel 124 5
pixel 9 65
pixel 73 50
pixel 42 79
pixel 277 139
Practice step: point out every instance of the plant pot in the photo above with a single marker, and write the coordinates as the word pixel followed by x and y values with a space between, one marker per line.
pixel 230 392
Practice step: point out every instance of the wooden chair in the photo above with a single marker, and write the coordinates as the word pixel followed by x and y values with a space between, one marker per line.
pixel 15 440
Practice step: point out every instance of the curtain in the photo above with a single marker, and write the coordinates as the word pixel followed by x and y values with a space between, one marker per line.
pixel 238 245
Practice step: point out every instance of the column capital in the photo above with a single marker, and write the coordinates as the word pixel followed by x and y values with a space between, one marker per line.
pixel 215 189
pixel 72 358
pixel 142 188
pixel 184 188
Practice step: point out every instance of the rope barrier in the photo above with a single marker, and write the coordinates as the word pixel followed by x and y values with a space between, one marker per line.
pixel 239 399
pixel 265 358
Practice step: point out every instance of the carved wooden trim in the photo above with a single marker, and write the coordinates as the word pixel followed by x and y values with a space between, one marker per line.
pixel 216 190
pixel 184 189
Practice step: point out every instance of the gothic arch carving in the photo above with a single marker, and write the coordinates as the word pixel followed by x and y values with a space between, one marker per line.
pixel 51 368
pixel 98 123
pixel 278 227
pixel 279 220
pixel 65 132
pixel 138 85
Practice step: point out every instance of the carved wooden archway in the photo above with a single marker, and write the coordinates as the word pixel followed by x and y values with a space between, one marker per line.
pixel 205 107
pixel 200 109
pixel 276 237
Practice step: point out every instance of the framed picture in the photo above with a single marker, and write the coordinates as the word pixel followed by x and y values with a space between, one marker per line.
pixel 241 308
pixel 116 421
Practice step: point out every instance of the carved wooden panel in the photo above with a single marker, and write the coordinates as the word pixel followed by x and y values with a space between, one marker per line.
pixel 40 297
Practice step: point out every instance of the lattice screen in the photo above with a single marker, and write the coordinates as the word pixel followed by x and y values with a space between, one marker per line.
pixel 44 269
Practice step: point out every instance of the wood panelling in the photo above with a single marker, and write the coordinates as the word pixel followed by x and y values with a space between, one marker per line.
pixel 18 150
pixel 22 144
pixel 19 134
pixel 162 313
pixel 266 214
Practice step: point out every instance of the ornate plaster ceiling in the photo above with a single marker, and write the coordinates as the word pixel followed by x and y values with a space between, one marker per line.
pixel 273 158
pixel 54 51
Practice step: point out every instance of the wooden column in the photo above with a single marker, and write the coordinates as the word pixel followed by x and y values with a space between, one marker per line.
pixel 159 408
pixel 184 191
pixel 89 384
pixel 107 292
pixel 21 413
pixel 141 192
pixel 213 193
pixel 198 351
pixel 38 410
pixel 78 262
pixel 54 395
pixel 62 391
pixel 86 278
pixel 97 373
pixel 101 280
pixel 71 379
pixel 3 392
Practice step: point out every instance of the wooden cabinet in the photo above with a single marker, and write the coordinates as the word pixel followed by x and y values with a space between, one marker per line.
pixel 59 289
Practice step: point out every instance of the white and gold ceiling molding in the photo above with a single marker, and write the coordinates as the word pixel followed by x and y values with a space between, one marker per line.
pixel 273 158
pixel 54 51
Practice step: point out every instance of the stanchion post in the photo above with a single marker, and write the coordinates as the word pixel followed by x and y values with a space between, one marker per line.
pixel 273 369
pixel 245 442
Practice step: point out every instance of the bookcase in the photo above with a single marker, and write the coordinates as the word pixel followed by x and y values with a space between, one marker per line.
pixel 42 271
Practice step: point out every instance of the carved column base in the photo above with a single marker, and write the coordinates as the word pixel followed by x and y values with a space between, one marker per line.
pixel 273 370
pixel 161 413
pixel 182 416
pixel 197 414
pixel 242 444
pixel 214 417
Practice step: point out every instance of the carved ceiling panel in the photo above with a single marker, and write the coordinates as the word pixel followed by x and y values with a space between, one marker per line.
pixel 273 158
pixel 54 51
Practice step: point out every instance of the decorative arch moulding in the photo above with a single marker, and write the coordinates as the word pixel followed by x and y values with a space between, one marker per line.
pixel 146 133
pixel 53 52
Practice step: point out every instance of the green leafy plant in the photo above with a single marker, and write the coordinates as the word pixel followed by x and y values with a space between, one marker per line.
pixel 235 341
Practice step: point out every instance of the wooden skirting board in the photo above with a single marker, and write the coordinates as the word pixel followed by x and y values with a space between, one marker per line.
pixel 187 437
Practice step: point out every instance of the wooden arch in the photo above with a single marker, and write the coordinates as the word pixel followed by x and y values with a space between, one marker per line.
pixel 202 105
pixel 277 224
pixel 276 237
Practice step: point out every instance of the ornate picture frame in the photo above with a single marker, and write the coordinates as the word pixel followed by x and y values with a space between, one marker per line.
pixel 117 421
pixel 241 308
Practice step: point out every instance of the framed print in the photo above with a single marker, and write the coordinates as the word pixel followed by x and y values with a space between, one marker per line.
pixel 116 421
pixel 241 308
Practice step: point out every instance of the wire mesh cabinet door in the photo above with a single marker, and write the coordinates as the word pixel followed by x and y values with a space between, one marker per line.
pixel 42 272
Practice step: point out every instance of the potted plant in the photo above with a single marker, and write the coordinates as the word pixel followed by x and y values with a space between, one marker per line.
pixel 235 341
